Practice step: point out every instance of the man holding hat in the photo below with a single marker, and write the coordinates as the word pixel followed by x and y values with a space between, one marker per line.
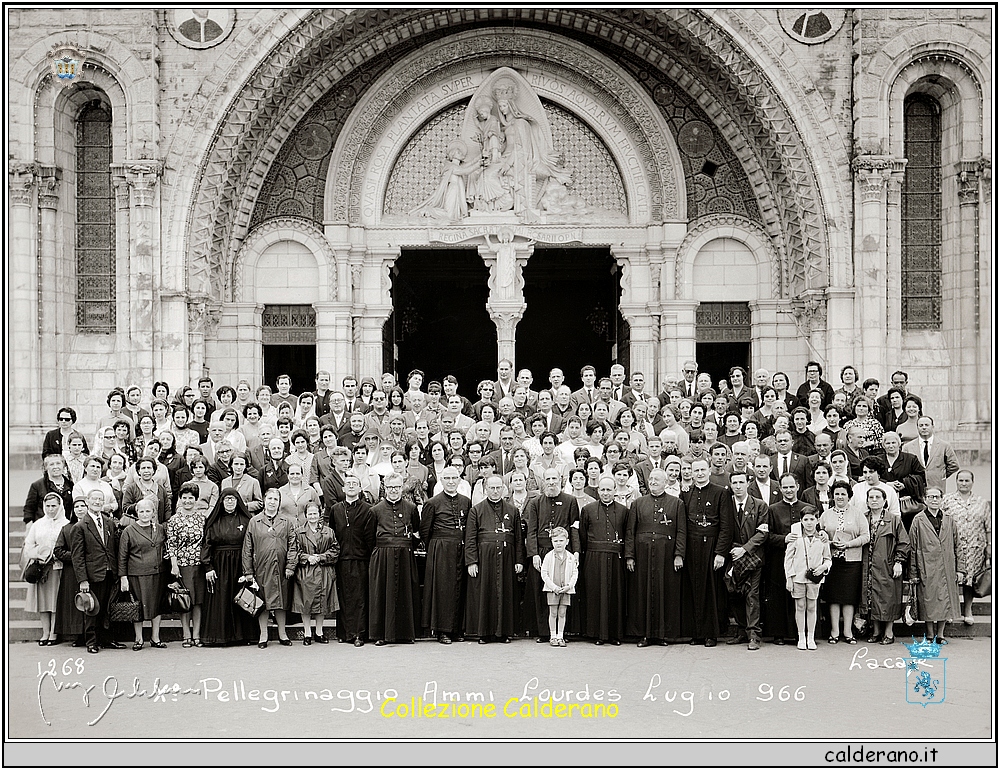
pixel 94 547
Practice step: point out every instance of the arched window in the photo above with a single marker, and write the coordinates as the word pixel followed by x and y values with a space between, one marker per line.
pixel 921 214
pixel 95 221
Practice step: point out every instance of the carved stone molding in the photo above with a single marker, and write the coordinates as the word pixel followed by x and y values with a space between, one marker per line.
pixel 297 229
pixel 197 315
pixel 874 172
pixel 23 177
pixel 809 310
pixel 506 258
pixel 969 174
pixel 138 177
pixel 48 186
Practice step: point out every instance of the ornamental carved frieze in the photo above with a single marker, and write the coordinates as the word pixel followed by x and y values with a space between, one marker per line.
pixel 809 311
pixel 138 177
pixel 874 172
pixel 970 172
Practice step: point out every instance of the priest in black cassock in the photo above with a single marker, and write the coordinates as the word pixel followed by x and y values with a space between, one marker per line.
pixel 655 544
pixel 493 557
pixel 442 528
pixel 353 523
pixel 552 509
pixel 709 539
pixel 602 575
pixel 393 581
pixel 779 606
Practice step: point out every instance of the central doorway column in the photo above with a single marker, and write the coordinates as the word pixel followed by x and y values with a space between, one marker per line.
pixel 506 259
pixel 638 304
pixel 372 307
pixel 677 335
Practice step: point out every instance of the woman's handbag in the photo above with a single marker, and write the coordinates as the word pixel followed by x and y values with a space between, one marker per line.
pixel 248 600
pixel 124 608
pixel 178 597
pixel 983 583
pixel 37 571
pixel 908 506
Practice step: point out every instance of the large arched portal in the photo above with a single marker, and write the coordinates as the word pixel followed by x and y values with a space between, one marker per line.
pixel 469 136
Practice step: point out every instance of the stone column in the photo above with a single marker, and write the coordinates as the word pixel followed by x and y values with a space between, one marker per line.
pixel 841 333
pixel 872 256
pixel 677 335
pixel 22 292
pixel 962 318
pixel 136 181
pixel 240 334
pixel 334 340
pixel 639 307
pixel 52 374
pixel 506 259
pixel 372 307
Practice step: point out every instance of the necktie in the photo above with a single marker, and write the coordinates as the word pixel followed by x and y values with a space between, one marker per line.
pixel 100 527
pixel 590 396
pixel 739 509
pixel 927 452
pixel 782 466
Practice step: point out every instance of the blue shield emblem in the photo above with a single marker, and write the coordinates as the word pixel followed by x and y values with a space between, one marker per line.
pixel 925 673
pixel 925 680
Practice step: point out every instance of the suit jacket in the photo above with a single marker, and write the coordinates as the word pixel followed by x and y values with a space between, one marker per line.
pixel 209 451
pixel 629 398
pixel 745 528
pixel 499 392
pixel 357 406
pixel 556 422
pixel 94 559
pixel 331 419
pixel 941 463
pixel 578 397
pixel 797 467
pixel 908 470
pixel 854 460
pixel 775 494
pixel 273 477
pixel 257 457
pixel 497 457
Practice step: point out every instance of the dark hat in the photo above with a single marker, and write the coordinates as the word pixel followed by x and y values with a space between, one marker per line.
pixel 87 603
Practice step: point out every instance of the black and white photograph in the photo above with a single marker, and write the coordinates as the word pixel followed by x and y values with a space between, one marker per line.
pixel 508 386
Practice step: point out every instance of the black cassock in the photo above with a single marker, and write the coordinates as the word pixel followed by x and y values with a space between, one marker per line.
pixel 545 514
pixel 492 541
pixel 655 532
pixel 354 526
pixel 709 534
pixel 602 572
pixel 779 606
pixel 393 580
pixel 442 528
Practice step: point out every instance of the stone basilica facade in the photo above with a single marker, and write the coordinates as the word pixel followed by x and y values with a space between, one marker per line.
pixel 247 192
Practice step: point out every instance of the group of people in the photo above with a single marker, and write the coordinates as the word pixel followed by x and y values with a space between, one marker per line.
pixel 606 512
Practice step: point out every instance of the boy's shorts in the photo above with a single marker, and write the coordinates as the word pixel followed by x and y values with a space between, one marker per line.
pixel 808 590
pixel 557 600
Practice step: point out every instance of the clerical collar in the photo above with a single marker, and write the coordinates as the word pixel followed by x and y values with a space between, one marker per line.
pixel 702 486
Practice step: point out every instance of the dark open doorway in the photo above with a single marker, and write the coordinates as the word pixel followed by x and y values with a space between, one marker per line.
pixel 439 321
pixel 723 338
pixel 297 361
pixel 572 316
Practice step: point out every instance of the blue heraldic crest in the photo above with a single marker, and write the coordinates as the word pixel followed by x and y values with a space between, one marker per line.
pixel 925 672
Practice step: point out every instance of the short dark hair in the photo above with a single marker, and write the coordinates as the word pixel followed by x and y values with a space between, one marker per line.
pixel 253 405
pixel 588 368
pixel 869 382
pixel 841 484
pixel 116 392
pixel 226 389
pixel 67 410
pixel 817 364
pixel 190 488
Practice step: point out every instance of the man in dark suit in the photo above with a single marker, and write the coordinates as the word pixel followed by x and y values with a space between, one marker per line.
pixel 503 386
pixel 337 414
pixel 654 461
pixel 553 421
pixel 636 390
pixel 749 536
pixel 502 457
pixel 352 401
pixel 94 547
pixel 824 446
pixel 762 486
pixel 257 456
pixel 588 393
pixel 787 461
pixel 689 386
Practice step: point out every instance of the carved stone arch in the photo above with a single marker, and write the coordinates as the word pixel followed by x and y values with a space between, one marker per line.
pixel 681 46
pixel 612 105
pixel 956 52
pixel 108 64
pixel 714 226
pixel 953 85
pixel 296 229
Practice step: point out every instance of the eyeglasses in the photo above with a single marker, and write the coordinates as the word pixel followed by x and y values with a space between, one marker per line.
pixel 65 419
